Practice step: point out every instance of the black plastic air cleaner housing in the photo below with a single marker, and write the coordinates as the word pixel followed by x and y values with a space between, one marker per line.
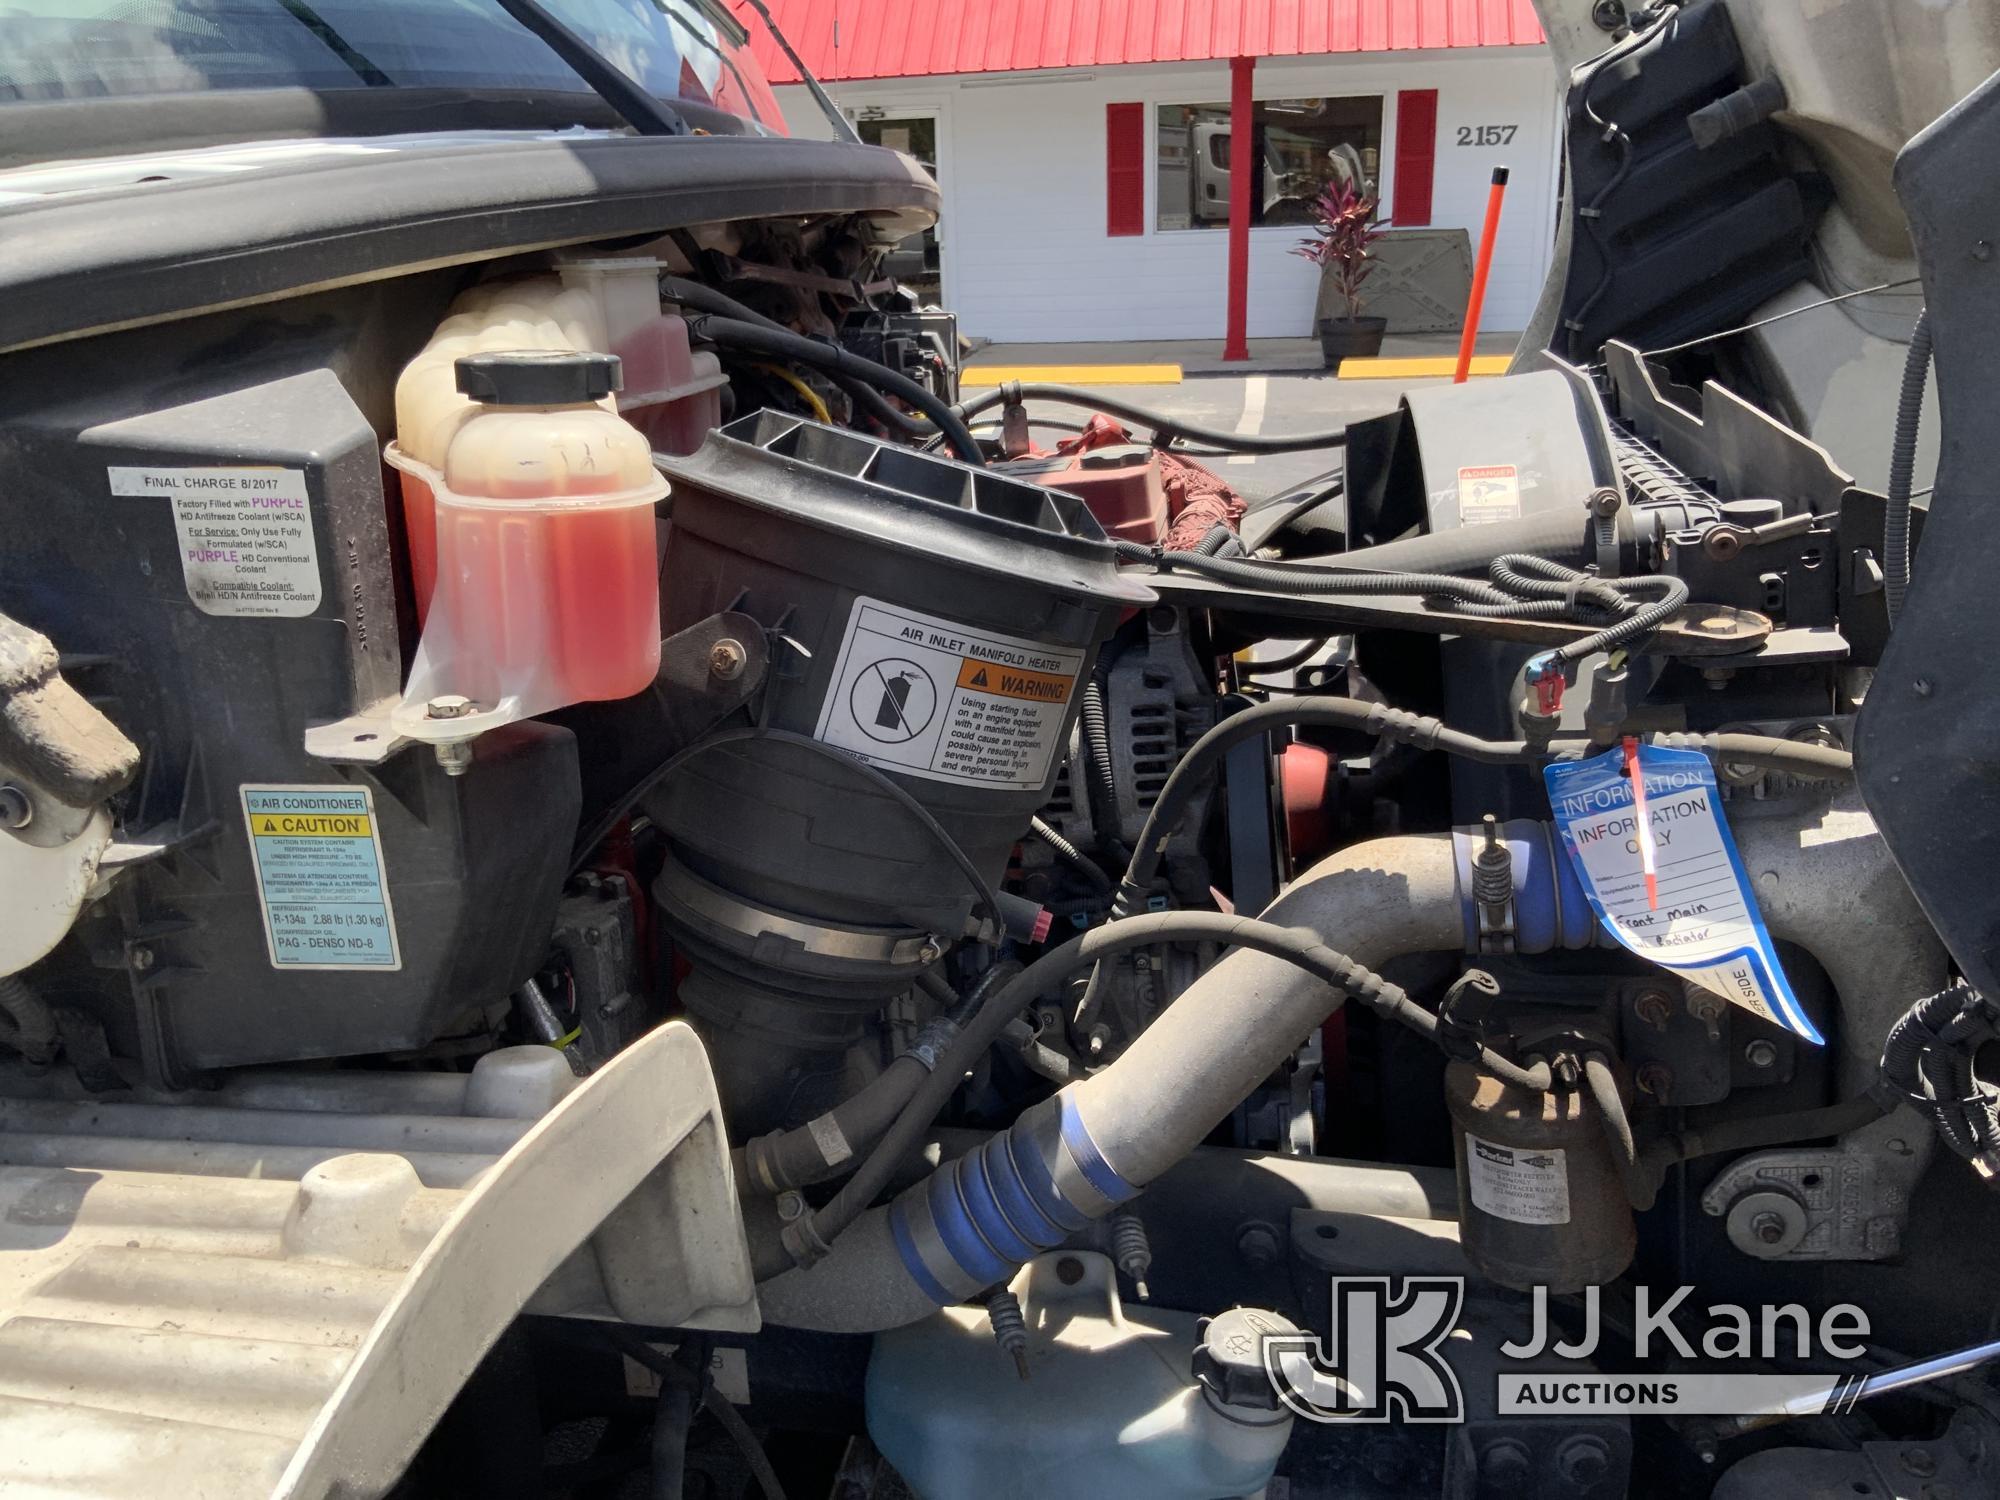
pixel 941 623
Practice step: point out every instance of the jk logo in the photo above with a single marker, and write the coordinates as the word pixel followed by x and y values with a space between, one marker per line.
pixel 1381 1362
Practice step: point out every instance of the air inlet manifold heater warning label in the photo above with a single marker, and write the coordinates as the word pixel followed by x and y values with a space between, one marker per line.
pixel 934 698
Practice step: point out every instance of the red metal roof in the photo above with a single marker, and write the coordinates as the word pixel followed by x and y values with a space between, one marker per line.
pixel 916 38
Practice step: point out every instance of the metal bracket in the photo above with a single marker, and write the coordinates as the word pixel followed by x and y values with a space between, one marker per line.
pixel 707 672
pixel 1848 1201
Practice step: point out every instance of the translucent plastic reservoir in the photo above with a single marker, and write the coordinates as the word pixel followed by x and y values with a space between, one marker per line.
pixel 1110 1407
pixel 671 394
pixel 546 587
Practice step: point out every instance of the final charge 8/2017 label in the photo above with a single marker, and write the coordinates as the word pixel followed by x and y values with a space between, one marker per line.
pixel 933 698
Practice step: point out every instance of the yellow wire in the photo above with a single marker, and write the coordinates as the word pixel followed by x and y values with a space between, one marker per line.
pixel 806 393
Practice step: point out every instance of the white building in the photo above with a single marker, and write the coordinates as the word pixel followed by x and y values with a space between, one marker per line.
pixel 1082 146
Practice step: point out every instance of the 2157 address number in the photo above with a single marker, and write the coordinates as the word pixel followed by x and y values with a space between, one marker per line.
pixel 1487 135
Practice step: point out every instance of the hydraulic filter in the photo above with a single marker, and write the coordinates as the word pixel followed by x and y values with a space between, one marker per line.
pixel 1540 1200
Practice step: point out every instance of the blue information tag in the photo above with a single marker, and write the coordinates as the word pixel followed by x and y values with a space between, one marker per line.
pixel 1667 882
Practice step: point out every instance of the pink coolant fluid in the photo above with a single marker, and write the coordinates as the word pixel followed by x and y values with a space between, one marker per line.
pixel 546 552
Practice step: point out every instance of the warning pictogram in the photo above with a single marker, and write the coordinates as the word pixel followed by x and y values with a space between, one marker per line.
pixel 893 700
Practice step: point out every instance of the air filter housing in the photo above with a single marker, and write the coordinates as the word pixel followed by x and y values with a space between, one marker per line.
pixel 938 622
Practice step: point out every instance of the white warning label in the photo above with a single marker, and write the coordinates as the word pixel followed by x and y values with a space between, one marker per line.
pixel 933 698
pixel 246 536
pixel 1488 493
pixel 1522 1186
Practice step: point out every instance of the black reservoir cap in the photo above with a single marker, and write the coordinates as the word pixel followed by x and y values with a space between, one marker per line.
pixel 539 377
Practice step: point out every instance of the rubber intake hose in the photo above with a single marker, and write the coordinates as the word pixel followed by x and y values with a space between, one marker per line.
pixel 1078 1156
pixel 1903 468
pixel 1164 427
pixel 780 343
pixel 836 1141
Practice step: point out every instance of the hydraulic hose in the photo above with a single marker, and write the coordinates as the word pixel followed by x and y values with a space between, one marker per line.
pixel 1338 976
pixel 1072 856
pixel 704 298
pixel 1520 586
pixel 1205 755
pixel 1903 467
pixel 820 1149
pixel 1156 1102
pixel 1602 1086
pixel 1164 427
pixel 782 343
pixel 1100 769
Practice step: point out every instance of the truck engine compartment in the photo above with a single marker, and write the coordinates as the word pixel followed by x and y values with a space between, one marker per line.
pixel 615 888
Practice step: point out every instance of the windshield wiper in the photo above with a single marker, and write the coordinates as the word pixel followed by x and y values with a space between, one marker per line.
pixel 827 107
pixel 644 112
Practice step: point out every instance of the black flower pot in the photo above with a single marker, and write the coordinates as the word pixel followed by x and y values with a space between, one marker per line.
pixel 1350 338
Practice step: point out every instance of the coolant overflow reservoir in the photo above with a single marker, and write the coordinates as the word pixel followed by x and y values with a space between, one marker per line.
pixel 1112 1404
pixel 547 587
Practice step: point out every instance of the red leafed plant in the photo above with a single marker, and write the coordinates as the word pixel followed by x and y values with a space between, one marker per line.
pixel 1344 233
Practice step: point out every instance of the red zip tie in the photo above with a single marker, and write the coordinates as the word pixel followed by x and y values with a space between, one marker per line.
pixel 1648 860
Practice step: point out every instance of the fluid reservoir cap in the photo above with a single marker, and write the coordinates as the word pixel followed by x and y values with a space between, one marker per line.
pixel 539 377
pixel 1229 1365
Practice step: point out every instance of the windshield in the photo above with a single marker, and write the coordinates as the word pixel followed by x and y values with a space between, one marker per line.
pixel 83 49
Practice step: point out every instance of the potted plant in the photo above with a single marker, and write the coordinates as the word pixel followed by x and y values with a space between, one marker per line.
pixel 1342 246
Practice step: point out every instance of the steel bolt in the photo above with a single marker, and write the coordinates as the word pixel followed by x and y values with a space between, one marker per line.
pixel 932 950
pixel 1708 1008
pixel 1603 502
pixel 1761 1054
pixel 450 706
pixel 1768 1226
pixel 1920 1462
pixel 17 810
pixel 1258 1244
pixel 1653 1007
pixel 1505 1467
pixel 791 1206
pixel 1656 1079
pixel 141 957
pixel 1582 1462
pixel 455 756
pixel 727 659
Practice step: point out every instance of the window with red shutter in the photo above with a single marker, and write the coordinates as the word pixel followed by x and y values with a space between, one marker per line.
pixel 1416 157
pixel 1125 168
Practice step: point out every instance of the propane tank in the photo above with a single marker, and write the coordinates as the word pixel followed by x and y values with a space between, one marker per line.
pixel 1540 1199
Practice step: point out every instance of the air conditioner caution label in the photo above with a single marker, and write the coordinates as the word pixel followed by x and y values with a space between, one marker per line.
pixel 320 877
pixel 933 698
